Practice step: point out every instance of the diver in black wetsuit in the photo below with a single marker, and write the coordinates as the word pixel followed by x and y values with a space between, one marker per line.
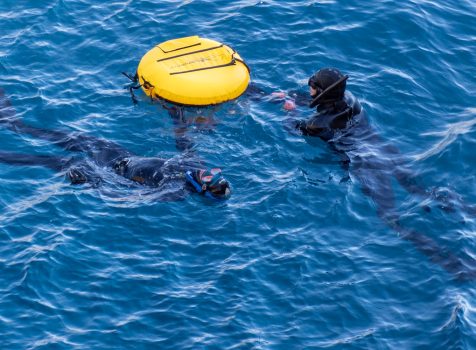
pixel 179 176
pixel 340 121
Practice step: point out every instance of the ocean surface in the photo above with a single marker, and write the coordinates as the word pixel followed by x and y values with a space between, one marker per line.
pixel 299 257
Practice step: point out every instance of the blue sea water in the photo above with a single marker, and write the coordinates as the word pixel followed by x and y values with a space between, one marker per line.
pixel 298 258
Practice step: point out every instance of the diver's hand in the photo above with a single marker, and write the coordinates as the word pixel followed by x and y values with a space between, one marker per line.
pixel 289 105
pixel 77 176
pixel 278 95
pixel 80 176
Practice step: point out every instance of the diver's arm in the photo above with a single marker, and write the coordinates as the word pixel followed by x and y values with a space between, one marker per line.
pixel 9 119
pixel 304 127
pixel 69 141
pixel 77 175
pixel 176 113
pixel 182 141
pixel 255 93
pixel 289 100
pixel 51 162
pixel 82 174
pixel 300 98
pixel 307 128
pixel 295 126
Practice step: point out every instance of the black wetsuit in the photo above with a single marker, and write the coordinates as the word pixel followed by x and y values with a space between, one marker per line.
pixel 163 174
pixel 330 118
pixel 343 125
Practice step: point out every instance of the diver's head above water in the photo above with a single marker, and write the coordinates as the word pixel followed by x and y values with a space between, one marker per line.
pixel 326 86
pixel 210 183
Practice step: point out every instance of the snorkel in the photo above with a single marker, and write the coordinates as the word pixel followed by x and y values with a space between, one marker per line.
pixel 205 181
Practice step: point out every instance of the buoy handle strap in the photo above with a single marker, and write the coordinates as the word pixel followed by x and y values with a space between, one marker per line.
pixel 180 48
pixel 231 63
pixel 133 78
pixel 190 53
pixel 241 61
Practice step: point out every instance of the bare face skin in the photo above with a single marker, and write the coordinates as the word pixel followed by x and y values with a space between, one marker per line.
pixel 312 91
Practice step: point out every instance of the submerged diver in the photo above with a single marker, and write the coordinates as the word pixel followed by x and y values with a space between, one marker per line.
pixel 340 121
pixel 179 176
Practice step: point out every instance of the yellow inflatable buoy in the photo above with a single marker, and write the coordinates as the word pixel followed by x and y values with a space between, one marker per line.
pixel 193 71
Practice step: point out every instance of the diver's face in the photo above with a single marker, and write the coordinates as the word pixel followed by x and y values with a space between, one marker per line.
pixel 312 91
pixel 221 190
pixel 214 184
pixel 313 86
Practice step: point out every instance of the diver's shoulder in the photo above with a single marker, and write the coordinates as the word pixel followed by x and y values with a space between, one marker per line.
pixel 351 100
pixel 353 103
